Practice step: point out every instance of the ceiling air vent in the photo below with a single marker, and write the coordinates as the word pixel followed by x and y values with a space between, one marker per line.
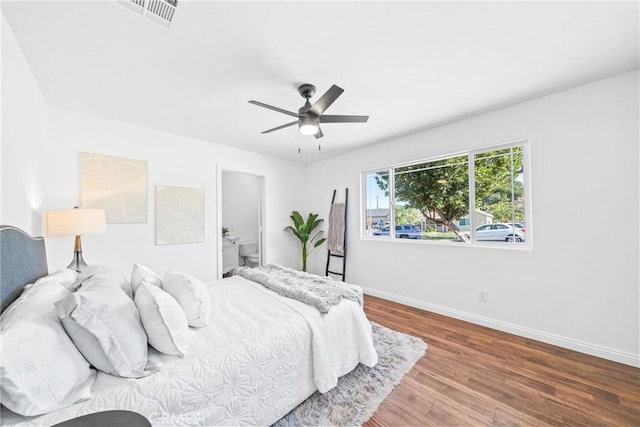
pixel 160 11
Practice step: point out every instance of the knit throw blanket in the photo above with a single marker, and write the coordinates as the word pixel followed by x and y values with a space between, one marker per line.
pixel 319 292
pixel 335 234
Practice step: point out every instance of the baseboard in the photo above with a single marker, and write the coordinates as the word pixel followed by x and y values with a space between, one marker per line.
pixel 546 337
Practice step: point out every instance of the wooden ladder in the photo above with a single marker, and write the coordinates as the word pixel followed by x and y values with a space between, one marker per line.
pixel 342 274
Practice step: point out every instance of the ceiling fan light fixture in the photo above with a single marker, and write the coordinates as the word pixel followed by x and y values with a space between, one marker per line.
pixel 308 125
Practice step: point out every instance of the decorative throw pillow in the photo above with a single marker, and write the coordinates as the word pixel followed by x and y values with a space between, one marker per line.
pixel 105 274
pixel 40 368
pixel 191 294
pixel 104 324
pixel 142 273
pixel 163 319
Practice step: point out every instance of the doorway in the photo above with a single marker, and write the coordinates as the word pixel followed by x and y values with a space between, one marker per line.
pixel 242 216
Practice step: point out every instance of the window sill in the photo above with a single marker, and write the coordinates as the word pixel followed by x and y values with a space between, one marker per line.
pixel 527 246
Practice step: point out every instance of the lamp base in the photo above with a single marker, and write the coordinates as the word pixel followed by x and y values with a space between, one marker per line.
pixel 77 264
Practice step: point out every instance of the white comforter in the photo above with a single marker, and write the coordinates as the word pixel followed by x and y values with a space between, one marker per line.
pixel 340 339
pixel 261 355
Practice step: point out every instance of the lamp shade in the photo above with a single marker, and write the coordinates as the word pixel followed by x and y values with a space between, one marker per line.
pixel 74 222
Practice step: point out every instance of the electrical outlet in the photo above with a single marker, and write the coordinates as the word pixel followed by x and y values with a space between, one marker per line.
pixel 483 295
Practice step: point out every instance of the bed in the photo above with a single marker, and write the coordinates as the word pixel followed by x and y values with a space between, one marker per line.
pixel 261 355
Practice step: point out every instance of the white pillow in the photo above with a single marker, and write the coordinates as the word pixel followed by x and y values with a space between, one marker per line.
pixel 66 277
pixel 163 319
pixel 192 296
pixel 106 274
pixel 104 324
pixel 41 369
pixel 142 273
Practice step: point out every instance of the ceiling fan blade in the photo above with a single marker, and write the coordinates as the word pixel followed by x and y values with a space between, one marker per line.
pixel 326 100
pixel 327 118
pixel 281 127
pixel 271 107
pixel 319 134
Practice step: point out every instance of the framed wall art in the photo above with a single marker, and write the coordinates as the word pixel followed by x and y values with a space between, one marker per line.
pixel 115 184
pixel 179 215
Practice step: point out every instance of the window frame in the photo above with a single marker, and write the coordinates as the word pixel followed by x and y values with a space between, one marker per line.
pixel 471 159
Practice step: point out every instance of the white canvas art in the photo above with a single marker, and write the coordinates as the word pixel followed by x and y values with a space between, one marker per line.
pixel 179 215
pixel 115 184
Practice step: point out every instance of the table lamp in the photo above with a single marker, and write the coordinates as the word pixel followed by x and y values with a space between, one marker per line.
pixel 74 222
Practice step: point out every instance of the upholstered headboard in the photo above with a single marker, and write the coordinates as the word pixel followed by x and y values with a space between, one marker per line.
pixel 23 260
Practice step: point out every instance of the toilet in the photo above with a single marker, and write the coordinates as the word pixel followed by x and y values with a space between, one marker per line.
pixel 248 251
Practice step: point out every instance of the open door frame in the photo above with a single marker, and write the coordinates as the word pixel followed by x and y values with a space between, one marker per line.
pixel 261 215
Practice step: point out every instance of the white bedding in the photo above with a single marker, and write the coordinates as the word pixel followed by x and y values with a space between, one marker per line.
pixel 261 355
pixel 341 338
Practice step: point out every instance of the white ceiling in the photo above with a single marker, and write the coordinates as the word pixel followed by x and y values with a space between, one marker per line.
pixel 408 65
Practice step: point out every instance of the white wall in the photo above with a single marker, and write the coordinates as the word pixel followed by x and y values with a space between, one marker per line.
pixel 24 115
pixel 172 160
pixel 578 287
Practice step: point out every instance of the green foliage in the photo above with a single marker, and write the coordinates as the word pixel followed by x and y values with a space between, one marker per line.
pixel 503 211
pixel 305 232
pixel 407 215
pixel 225 231
pixel 496 192
pixel 439 190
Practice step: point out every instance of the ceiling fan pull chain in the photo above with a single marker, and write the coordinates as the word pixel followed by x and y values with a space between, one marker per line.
pixel 319 147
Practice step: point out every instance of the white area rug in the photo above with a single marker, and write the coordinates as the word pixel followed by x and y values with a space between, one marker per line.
pixel 359 393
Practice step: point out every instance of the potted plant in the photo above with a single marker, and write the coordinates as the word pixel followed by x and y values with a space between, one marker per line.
pixel 304 230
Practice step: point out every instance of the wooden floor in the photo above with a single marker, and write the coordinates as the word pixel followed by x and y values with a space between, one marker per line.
pixel 472 375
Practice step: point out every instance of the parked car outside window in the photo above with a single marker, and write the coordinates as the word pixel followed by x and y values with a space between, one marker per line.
pixel 403 231
pixel 500 232
pixel 518 226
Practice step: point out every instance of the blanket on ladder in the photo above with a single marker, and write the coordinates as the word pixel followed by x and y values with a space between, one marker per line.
pixel 319 292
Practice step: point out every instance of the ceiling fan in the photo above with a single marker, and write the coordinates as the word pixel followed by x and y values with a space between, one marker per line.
pixel 310 116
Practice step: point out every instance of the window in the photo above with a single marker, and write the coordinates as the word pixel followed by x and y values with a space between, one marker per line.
pixel 465 198
pixel 499 191
pixel 377 207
